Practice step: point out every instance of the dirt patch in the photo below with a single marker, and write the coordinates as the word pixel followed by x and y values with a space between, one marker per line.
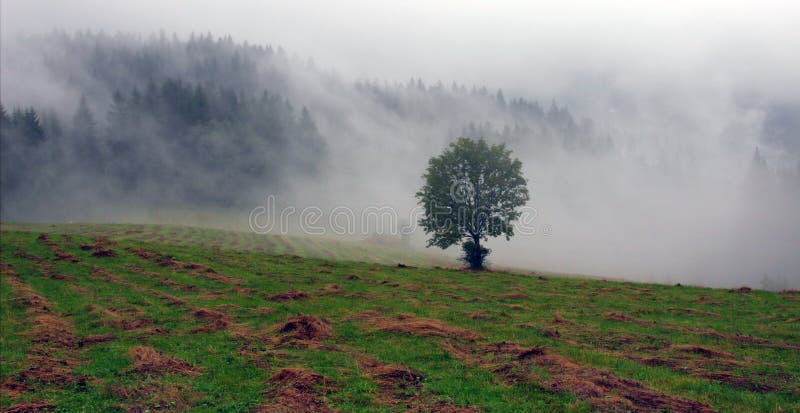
pixel 738 382
pixel 288 296
pixel 130 324
pixel 196 269
pixel 12 389
pixel 49 328
pixel 459 298
pixel 352 277
pixel 32 300
pixel 412 287
pixel 149 360
pixel 95 339
pixel 103 252
pixel 736 337
pixel 46 369
pixel 297 391
pixel 692 311
pixel 215 320
pixel 303 331
pixel 478 315
pixel 707 300
pixel 31 407
pixel 62 255
pixel 331 289
pixel 396 382
pixel 409 324
pixel 602 389
pixel 153 395
pixel 704 351
pixel 401 387
pixel 101 274
pixel 741 290
pixel 164 280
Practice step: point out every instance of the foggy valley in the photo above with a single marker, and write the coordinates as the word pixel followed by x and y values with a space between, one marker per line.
pixel 659 188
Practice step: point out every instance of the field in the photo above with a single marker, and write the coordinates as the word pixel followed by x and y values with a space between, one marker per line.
pixel 385 252
pixel 104 318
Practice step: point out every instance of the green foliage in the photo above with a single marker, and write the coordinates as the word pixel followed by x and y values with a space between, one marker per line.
pixel 472 191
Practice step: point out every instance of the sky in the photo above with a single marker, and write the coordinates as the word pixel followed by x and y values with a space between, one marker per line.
pixel 503 44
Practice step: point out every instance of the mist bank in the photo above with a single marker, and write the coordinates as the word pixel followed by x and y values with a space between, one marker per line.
pixel 665 187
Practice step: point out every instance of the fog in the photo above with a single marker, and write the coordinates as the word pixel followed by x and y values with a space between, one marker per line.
pixel 658 183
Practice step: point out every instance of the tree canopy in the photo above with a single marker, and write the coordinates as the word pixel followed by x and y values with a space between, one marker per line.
pixel 472 191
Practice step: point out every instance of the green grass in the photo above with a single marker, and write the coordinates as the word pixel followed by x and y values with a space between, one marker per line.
pixel 308 247
pixel 231 381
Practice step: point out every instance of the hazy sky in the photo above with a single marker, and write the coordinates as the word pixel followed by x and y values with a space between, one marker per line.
pixel 534 48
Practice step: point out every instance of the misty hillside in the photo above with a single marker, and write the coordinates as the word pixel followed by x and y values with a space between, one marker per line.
pixel 207 121
pixel 100 127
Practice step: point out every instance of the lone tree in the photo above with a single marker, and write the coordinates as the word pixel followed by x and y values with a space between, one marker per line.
pixel 472 191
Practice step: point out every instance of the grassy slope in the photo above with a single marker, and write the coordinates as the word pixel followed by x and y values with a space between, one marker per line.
pixel 576 318
pixel 243 241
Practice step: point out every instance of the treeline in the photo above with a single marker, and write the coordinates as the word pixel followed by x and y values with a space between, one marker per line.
pixel 476 112
pixel 168 143
pixel 208 121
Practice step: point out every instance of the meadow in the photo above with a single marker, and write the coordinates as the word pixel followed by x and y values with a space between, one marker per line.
pixel 152 318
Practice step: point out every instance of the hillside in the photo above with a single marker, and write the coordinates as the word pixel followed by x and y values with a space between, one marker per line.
pixel 126 324
pixel 306 247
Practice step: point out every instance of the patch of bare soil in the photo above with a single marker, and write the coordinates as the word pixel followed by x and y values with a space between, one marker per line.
pixel 331 289
pixel 478 315
pixel 130 324
pixel 704 299
pixel 50 333
pixel 215 320
pixel 459 297
pixel 60 253
pixel 412 287
pixel 31 407
pixel 101 274
pixel 303 331
pixel 99 251
pixel 297 390
pixel 12 389
pixel 409 324
pixel 149 360
pixel 153 395
pixel 199 270
pixel 395 381
pixel 46 369
pixel 33 301
pixel 400 386
pixel 708 363
pixel 95 339
pixel 50 328
pixel 602 389
pixel 164 280
pixel 512 296
pixel 703 351
pixel 736 337
pixel 692 311
pixel 741 290
pixel 288 296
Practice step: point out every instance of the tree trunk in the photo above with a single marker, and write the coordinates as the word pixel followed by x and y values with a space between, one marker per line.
pixel 476 260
